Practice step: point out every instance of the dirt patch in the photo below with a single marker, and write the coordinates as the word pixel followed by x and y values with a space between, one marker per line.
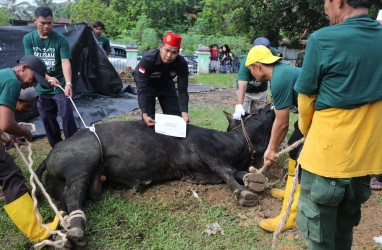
pixel 221 195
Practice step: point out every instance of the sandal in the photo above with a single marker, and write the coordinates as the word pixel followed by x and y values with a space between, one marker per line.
pixel 375 185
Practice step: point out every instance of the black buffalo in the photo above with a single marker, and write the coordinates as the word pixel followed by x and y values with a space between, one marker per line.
pixel 134 155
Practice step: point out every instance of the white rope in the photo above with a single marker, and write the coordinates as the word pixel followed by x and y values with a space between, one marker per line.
pixel 284 151
pixel 286 214
pixel 91 128
pixel 34 179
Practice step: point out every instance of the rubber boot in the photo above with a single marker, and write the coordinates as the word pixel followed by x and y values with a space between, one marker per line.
pixel 21 213
pixel 272 223
pixel 278 192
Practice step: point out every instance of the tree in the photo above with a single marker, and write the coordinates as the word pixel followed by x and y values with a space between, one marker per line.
pixel 149 40
pixel 44 3
pixel 4 17
pixel 13 8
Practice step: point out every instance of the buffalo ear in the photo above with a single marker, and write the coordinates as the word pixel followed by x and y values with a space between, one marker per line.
pixel 228 116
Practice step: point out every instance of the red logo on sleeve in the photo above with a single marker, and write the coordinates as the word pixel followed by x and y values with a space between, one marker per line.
pixel 142 70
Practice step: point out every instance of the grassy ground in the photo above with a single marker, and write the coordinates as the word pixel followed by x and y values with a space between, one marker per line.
pixel 226 80
pixel 123 220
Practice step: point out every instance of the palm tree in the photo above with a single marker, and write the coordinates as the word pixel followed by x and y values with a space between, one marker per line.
pixel 44 3
pixel 13 8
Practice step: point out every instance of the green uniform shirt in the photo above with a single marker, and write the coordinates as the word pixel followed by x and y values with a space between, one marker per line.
pixel 10 88
pixel 51 50
pixel 283 80
pixel 253 86
pixel 104 42
pixel 331 72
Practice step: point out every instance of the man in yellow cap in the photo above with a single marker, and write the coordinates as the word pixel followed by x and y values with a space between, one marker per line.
pixel 264 66
pixel 19 204
pixel 154 76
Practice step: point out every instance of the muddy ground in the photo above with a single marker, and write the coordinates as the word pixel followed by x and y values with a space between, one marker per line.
pixel 370 226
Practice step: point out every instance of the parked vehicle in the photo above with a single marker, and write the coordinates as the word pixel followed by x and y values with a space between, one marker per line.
pixel 117 57
pixel 192 62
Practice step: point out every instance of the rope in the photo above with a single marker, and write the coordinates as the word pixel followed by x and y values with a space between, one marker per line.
pixel 33 178
pixel 60 243
pixel 286 214
pixel 91 128
pixel 250 146
pixel 286 150
pixel 64 221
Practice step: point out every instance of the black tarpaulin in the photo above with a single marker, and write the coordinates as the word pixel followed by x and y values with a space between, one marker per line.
pixel 91 70
pixel 97 86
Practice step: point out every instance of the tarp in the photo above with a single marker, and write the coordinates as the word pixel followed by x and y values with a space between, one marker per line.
pixel 91 70
pixel 98 89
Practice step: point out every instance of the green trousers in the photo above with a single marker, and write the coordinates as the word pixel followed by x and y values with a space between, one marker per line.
pixel 329 209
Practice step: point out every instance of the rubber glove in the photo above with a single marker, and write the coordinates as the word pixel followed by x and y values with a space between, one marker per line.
pixel 239 111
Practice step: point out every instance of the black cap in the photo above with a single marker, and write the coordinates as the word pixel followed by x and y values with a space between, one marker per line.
pixel 37 65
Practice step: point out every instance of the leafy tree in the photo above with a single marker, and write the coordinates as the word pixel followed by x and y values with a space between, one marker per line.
pixel 88 11
pixel 44 3
pixel 149 40
pixel 13 8
pixel 63 10
pixel 4 17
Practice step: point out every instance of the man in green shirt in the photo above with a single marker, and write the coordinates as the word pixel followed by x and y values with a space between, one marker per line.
pixel 19 204
pixel 53 48
pixel 340 106
pixel 264 66
pixel 103 41
pixel 251 94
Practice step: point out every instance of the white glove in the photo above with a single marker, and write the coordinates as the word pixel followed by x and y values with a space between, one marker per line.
pixel 239 111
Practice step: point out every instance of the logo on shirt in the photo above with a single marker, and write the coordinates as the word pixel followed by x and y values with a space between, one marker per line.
pixel 142 70
pixel 255 83
pixel 48 55
pixel 156 74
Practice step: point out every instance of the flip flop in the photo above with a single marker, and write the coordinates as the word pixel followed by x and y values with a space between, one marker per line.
pixel 2 197
pixel 375 185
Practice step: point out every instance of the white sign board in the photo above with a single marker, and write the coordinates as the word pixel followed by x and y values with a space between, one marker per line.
pixel 171 125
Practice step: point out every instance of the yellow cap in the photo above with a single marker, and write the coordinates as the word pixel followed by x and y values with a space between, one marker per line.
pixel 260 54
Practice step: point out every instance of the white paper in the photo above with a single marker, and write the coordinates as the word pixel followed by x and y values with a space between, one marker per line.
pixel 378 239
pixel 379 17
pixel 171 125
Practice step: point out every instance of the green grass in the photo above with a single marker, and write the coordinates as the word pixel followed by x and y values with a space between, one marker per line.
pixel 226 80
pixel 379 200
pixel 121 221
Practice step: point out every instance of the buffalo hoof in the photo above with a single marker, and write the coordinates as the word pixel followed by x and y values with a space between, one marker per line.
pixel 77 236
pixel 246 198
pixel 254 182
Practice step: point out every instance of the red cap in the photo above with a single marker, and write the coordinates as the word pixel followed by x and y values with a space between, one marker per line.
pixel 172 39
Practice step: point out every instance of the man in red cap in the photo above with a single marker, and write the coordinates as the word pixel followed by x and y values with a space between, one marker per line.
pixel 155 74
